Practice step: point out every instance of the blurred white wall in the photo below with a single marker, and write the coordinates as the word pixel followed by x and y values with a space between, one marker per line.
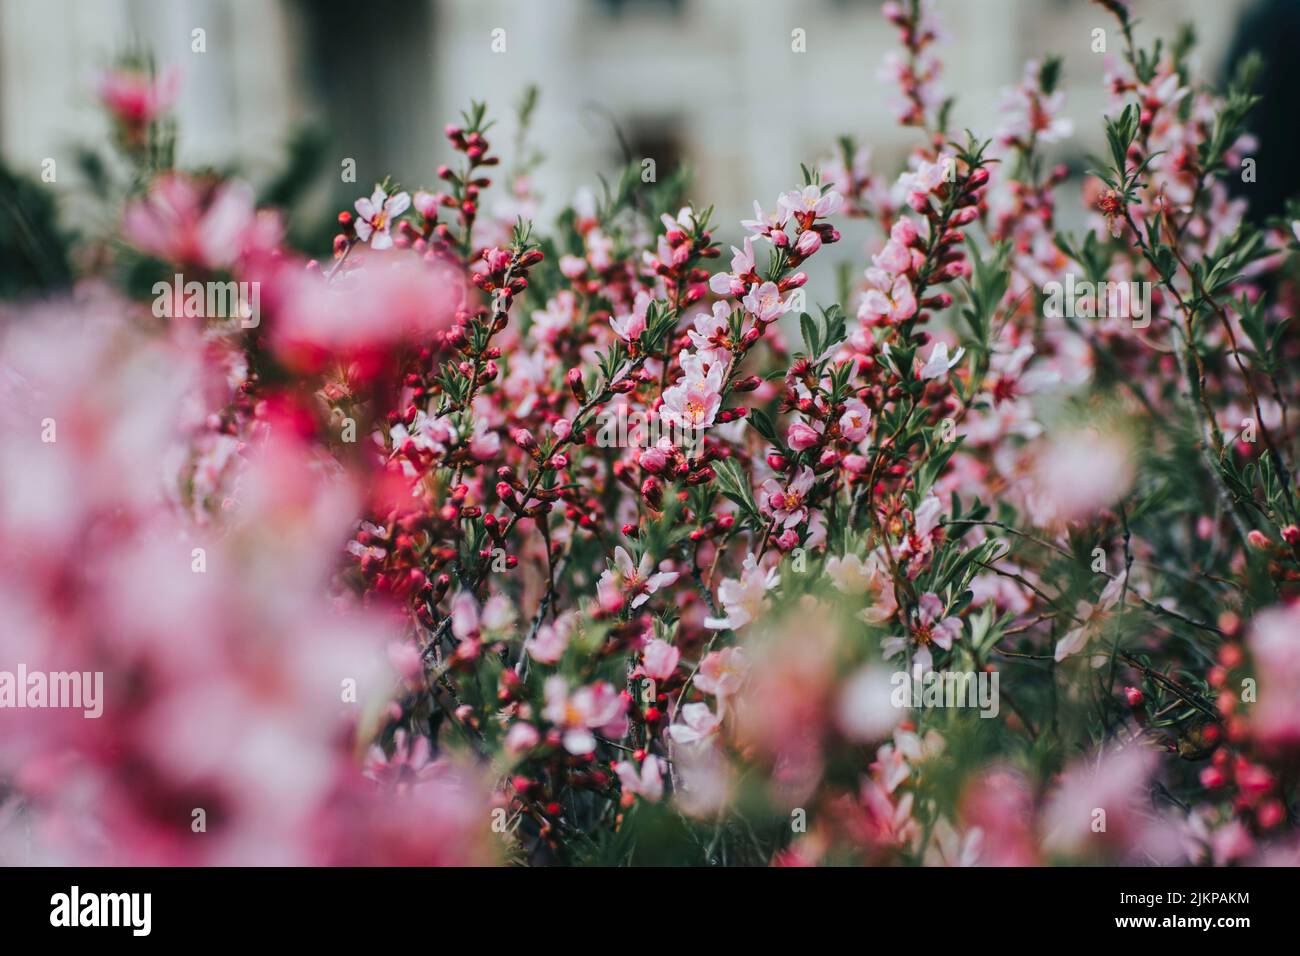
pixel 719 76
pixel 238 98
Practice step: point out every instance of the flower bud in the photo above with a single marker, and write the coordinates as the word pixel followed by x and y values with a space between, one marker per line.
pixel 457 337
pixel 653 493
pixel 965 215
pixel 574 378
pixel 808 243
pixel 652 461
pixel 802 436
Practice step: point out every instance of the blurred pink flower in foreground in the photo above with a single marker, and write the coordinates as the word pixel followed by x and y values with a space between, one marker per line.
pixel 363 314
pixel 1101 811
pixel 1275 647
pixel 135 97
pixel 187 222
pixel 234 685
pixel 1078 473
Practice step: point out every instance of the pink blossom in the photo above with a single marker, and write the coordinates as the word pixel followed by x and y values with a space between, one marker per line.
pixel 136 98
pixel 767 227
pixel 659 659
pixel 903 232
pixel 742 599
pixel 635 581
pixel 548 646
pixel 484 445
pixel 630 327
pixel 1029 114
pixel 849 574
pixel 938 364
pixel 1116 784
pixel 697 726
pixel 596 707
pixel 895 258
pixel 926 180
pixel 695 400
pixel 375 216
pixel 521 737
pixel 1080 472
pixel 1275 645
pixel 764 302
pixel 464 616
pixel 888 299
pixel 735 282
pixel 810 201
pixel 1090 617
pixel 361 316
pixel 929 628
pixel 184 222
pixel 855 422
pixel 787 504
pixel 709 333
pixel 723 672
pixel 647 783
pixel 880 585
pixel 426 204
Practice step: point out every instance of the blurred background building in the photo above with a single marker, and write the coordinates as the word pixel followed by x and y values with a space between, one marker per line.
pixel 713 84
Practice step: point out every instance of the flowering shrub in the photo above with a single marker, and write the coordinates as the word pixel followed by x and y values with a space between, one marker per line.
pixel 993 560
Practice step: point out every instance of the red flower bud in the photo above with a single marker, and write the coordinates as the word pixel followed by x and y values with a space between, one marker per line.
pixel 574 378
pixel 653 493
